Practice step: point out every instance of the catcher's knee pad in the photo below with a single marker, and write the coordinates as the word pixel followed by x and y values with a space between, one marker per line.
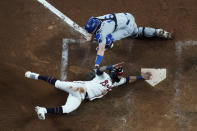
pixel 146 32
pixel 152 32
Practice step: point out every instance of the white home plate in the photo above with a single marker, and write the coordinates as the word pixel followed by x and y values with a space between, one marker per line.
pixel 158 75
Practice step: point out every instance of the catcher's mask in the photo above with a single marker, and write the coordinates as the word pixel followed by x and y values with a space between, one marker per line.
pixel 115 73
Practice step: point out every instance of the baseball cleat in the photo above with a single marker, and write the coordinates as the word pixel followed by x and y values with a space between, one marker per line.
pixel 41 111
pixel 31 75
pixel 164 34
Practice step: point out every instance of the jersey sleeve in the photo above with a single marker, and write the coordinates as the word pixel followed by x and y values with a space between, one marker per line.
pixel 103 35
pixel 121 82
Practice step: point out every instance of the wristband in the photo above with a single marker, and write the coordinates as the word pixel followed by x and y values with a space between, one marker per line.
pixel 139 77
pixel 99 59
pixel 109 67
pixel 127 79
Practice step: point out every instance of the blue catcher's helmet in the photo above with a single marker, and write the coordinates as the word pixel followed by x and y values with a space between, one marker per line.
pixel 92 24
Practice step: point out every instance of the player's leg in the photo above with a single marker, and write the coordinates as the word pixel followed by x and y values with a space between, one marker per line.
pixel 72 104
pixel 116 35
pixel 121 33
pixel 146 32
pixel 149 32
pixel 76 88
pixel 36 76
pixel 70 87
pixel 125 28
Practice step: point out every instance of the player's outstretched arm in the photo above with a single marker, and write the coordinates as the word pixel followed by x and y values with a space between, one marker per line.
pixel 100 54
pixel 145 76
pixel 110 67
pixel 131 79
pixel 99 71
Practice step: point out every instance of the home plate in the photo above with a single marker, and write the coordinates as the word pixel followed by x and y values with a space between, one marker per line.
pixel 158 75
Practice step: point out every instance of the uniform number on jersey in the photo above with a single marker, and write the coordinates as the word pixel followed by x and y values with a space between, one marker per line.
pixel 106 83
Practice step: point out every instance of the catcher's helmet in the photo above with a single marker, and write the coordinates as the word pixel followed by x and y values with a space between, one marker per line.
pixel 92 24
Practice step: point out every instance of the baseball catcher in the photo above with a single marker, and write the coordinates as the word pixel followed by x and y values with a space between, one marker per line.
pixel 99 86
pixel 112 27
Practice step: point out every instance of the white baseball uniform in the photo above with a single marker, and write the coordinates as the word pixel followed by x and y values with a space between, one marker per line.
pixel 96 88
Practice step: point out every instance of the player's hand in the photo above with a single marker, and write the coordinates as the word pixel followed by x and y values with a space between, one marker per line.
pixel 118 64
pixel 147 75
pixel 91 74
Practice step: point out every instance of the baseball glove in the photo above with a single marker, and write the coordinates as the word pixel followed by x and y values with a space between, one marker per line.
pixel 91 74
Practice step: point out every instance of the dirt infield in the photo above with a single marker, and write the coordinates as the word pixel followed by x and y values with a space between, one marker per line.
pixel 31 39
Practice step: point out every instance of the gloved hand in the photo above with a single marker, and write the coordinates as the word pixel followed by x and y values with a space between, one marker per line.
pixel 91 74
pixel 95 71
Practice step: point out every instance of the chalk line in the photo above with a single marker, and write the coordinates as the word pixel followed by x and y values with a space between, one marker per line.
pixel 189 43
pixel 66 19
pixel 131 112
pixel 177 85
pixel 129 106
pixel 64 60
pixel 177 82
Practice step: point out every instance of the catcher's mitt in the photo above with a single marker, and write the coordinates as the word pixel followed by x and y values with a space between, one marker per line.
pixel 91 74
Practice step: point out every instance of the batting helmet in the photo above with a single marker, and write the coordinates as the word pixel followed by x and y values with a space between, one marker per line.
pixel 115 73
pixel 119 71
pixel 92 24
